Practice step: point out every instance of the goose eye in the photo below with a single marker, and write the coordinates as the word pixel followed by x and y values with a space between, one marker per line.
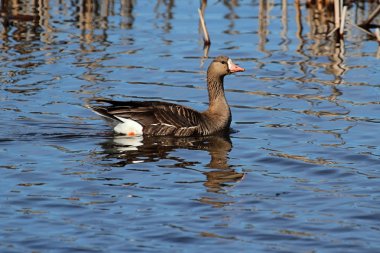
pixel 223 62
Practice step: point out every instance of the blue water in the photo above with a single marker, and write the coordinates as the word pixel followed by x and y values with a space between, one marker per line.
pixel 299 173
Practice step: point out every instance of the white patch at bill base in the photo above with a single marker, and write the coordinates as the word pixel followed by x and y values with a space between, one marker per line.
pixel 128 127
pixel 230 63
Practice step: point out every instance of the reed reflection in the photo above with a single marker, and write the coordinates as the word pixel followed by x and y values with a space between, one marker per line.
pixel 219 174
pixel 127 13
pixel 23 16
pixel 322 21
pixel 231 16
pixel 24 20
pixel 166 14
pixel 284 22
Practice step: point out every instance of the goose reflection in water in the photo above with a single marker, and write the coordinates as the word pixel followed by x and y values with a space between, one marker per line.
pixel 130 150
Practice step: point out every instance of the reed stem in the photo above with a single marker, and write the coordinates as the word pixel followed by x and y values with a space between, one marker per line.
pixel 206 37
pixel 337 13
pixel 342 21
pixel 371 17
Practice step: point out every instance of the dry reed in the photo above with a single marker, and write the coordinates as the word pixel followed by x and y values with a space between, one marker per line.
pixel 206 37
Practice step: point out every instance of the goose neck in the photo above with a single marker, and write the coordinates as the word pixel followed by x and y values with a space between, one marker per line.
pixel 217 100
pixel 215 88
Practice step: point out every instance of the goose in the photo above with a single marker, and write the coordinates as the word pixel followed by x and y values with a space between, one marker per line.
pixel 157 118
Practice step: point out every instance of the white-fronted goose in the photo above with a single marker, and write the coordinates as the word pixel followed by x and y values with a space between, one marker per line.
pixel 163 119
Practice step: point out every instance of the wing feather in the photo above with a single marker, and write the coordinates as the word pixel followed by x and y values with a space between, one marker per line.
pixel 157 118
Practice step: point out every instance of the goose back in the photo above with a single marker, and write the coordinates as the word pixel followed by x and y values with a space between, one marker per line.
pixel 157 118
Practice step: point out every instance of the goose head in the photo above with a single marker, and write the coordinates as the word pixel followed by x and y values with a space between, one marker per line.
pixel 223 65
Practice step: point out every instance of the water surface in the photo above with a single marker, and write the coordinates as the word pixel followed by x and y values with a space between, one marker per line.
pixel 299 173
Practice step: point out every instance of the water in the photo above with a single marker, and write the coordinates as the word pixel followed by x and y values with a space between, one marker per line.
pixel 299 173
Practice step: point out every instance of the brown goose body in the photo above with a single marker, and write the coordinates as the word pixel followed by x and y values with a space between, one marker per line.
pixel 167 119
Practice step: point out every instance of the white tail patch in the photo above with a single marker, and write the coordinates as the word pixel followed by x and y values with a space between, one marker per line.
pixel 128 127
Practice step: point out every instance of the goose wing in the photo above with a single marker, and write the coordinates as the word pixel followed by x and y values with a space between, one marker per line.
pixel 157 118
